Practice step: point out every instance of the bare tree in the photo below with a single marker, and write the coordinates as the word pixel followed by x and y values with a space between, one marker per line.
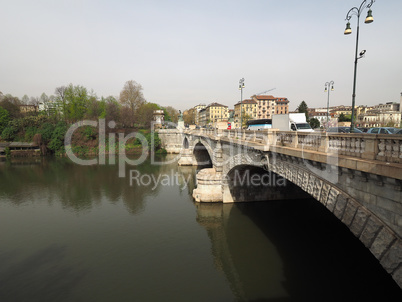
pixel 25 99
pixel 60 92
pixel 34 100
pixel 132 96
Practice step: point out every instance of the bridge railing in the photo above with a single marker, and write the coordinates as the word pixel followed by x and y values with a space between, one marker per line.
pixel 382 147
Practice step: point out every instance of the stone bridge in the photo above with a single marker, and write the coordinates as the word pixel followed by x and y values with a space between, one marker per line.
pixel 357 177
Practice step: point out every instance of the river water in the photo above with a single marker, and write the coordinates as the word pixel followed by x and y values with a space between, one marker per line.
pixel 82 233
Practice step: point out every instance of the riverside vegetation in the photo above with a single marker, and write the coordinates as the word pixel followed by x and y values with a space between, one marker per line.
pixel 70 104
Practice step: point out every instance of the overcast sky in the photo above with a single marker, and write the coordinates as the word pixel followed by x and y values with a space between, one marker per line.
pixel 188 52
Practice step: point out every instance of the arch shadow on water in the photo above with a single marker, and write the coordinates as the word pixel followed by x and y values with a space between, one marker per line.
pixel 321 260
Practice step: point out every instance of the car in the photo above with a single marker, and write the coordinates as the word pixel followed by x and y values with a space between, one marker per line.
pixel 343 130
pixel 382 130
pixel 363 129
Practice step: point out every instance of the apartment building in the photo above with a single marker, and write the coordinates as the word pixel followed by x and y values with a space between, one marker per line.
pixel 268 105
pixel 197 110
pixel 247 107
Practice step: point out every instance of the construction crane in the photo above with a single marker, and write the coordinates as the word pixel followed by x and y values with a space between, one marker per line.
pixel 260 93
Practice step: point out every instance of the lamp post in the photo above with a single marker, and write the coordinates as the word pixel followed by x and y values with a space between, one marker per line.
pixel 241 86
pixel 357 12
pixel 327 88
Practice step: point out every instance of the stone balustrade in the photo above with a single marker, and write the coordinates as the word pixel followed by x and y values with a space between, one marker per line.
pixel 380 147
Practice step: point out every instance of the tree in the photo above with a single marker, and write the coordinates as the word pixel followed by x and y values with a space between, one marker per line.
pixel 112 110
pixel 12 105
pixel 303 108
pixel 4 119
pixel 60 99
pixel 25 99
pixel 344 118
pixel 246 117
pixel 189 116
pixel 171 114
pixel 132 96
pixel 76 100
pixel 314 123
pixel 33 100
pixel 146 114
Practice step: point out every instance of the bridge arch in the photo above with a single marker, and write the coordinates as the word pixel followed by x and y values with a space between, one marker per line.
pixel 356 178
pixel 186 144
pixel 201 155
pixel 254 183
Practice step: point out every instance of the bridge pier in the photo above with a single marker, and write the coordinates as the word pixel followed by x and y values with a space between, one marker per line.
pixel 209 186
pixel 186 158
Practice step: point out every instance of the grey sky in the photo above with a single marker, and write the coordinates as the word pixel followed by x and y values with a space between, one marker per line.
pixel 189 52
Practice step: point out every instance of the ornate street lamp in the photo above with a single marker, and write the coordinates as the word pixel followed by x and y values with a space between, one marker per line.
pixel 357 12
pixel 241 86
pixel 328 85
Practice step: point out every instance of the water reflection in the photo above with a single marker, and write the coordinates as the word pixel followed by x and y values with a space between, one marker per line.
pixel 251 264
pixel 41 277
pixel 78 188
pixel 292 250
pixel 92 247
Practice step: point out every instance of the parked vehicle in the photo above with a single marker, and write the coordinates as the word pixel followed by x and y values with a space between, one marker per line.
pixel 383 130
pixel 343 130
pixel 363 129
pixel 259 124
pixel 291 122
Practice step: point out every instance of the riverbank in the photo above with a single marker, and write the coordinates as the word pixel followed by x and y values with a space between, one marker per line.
pixel 84 141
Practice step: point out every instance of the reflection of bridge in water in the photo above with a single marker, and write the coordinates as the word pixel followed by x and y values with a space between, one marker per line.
pixel 357 177
pixel 286 259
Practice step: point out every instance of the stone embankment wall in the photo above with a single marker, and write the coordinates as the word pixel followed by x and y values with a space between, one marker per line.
pixel 172 140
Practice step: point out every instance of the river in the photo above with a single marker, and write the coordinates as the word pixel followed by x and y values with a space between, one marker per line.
pixel 82 233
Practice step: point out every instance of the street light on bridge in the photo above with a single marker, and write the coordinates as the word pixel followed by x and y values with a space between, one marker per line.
pixel 241 86
pixel 357 12
pixel 327 88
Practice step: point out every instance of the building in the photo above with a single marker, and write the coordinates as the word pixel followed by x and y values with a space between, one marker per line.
pixel 338 110
pixel 215 113
pixel 381 115
pixel 319 115
pixel 51 106
pixel 28 108
pixel 197 110
pixel 390 106
pixel 202 118
pixel 248 108
pixel 281 106
pixel 268 105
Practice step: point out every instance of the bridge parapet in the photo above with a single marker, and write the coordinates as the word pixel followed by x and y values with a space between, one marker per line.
pixel 365 152
pixel 358 177
pixel 382 147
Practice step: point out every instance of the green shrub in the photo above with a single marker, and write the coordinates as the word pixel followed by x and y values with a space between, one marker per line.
pixel 46 130
pixel 161 151
pixel 7 152
pixel 57 140
pixel 9 133
pixel 89 133
pixel 4 119
pixel 29 133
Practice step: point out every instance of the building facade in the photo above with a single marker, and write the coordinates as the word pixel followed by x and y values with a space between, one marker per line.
pixel 242 110
pixel 215 113
pixel 268 105
pixel 197 109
